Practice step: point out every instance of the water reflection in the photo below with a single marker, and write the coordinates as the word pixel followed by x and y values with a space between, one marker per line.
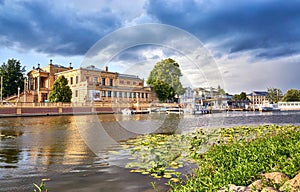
pixel 49 146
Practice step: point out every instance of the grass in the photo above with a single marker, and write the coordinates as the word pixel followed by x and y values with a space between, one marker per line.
pixel 239 155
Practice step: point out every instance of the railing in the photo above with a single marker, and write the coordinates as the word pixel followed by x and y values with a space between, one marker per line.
pixel 73 104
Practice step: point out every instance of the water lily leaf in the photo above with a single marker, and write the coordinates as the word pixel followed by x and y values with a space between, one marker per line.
pixel 175 180
pixel 136 171
pixel 167 176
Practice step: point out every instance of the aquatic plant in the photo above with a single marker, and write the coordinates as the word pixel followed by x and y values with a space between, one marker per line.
pixel 240 155
pixel 157 155
pixel 41 187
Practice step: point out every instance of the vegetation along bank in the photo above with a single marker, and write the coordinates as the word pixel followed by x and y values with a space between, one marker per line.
pixel 222 157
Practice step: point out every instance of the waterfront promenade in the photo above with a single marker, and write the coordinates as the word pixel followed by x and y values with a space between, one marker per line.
pixel 44 109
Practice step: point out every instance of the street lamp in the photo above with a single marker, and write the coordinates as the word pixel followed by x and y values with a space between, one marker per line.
pixel 18 94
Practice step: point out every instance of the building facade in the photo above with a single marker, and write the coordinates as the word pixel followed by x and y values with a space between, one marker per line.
pixel 88 84
pixel 258 98
pixel 91 84
pixel 40 81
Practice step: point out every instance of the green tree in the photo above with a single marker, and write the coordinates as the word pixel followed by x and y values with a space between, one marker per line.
pixel 292 95
pixel 12 73
pixel 274 95
pixel 61 92
pixel 221 91
pixel 241 96
pixel 165 79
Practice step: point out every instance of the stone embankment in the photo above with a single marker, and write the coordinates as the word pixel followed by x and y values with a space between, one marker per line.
pixel 270 182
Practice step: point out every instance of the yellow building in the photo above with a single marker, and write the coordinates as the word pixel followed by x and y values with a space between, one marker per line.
pixel 40 81
pixel 91 84
pixel 88 84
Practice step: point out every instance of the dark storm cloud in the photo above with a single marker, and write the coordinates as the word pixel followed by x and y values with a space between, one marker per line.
pixel 242 25
pixel 44 27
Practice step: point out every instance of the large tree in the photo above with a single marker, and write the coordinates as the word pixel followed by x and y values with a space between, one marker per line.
pixel 61 92
pixel 241 96
pixel 12 74
pixel 165 79
pixel 292 95
pixel 274 95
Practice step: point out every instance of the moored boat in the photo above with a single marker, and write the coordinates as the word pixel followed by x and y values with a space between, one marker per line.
pixel 174 110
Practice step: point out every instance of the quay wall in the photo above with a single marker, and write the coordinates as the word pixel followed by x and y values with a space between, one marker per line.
pixel 44 109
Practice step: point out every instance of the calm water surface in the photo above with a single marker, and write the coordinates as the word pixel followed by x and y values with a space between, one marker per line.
pixel 56 148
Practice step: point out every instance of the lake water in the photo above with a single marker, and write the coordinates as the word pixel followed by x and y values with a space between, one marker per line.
pixel 73 152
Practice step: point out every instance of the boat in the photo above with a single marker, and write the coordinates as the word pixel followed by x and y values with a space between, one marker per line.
pixel 141 111
pixel 199 110
pixel 269 109
pixel 174 110
pixel 126 111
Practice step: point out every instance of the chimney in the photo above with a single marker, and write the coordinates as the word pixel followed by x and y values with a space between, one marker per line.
pixel 106 68
pixel 70 66
pixel 50 61
pixel 39 66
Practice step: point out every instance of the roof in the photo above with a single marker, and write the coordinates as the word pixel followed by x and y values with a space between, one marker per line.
pixel 129 76
pixel 258 93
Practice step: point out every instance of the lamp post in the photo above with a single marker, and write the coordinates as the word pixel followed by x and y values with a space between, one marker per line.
pixel 1 98
pixel 25 88
pixel 18 94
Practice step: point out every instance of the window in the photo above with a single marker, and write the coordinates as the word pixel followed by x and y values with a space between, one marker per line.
pixel 76 93
pixel 108 93
pixel 110 82
pixel 142 95
pixel 128 82
pixel 121 82
pixel 71 80
pixel 103 81
pixel 103 93
pixel 125 94
pixel 95 80
pixel 115 94
pixel 146 95
pixel 120 94
pixel 134 95
pixel 134 83
pixel 130 95
pixel 76 79
pixel 87 78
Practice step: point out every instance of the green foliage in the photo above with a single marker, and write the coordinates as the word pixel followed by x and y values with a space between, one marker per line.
pixel 239 155
pixel 292 95
pixel 157 155
pixel 241 96
pixel 165 79
pixel 61 92
pixel 221 91
pixel 274 95
pixel 12 73
pixel 41 187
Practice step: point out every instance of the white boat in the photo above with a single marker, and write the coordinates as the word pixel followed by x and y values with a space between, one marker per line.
pixel 141 111
pixel 126 111
pixel 269 109
pixel 174 110
pixel 201 112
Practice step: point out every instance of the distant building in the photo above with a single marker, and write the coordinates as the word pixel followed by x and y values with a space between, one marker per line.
pixel 258 98
pixel 187 100
pixel 211 97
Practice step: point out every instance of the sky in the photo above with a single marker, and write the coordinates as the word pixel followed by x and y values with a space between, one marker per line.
pixel 249 45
